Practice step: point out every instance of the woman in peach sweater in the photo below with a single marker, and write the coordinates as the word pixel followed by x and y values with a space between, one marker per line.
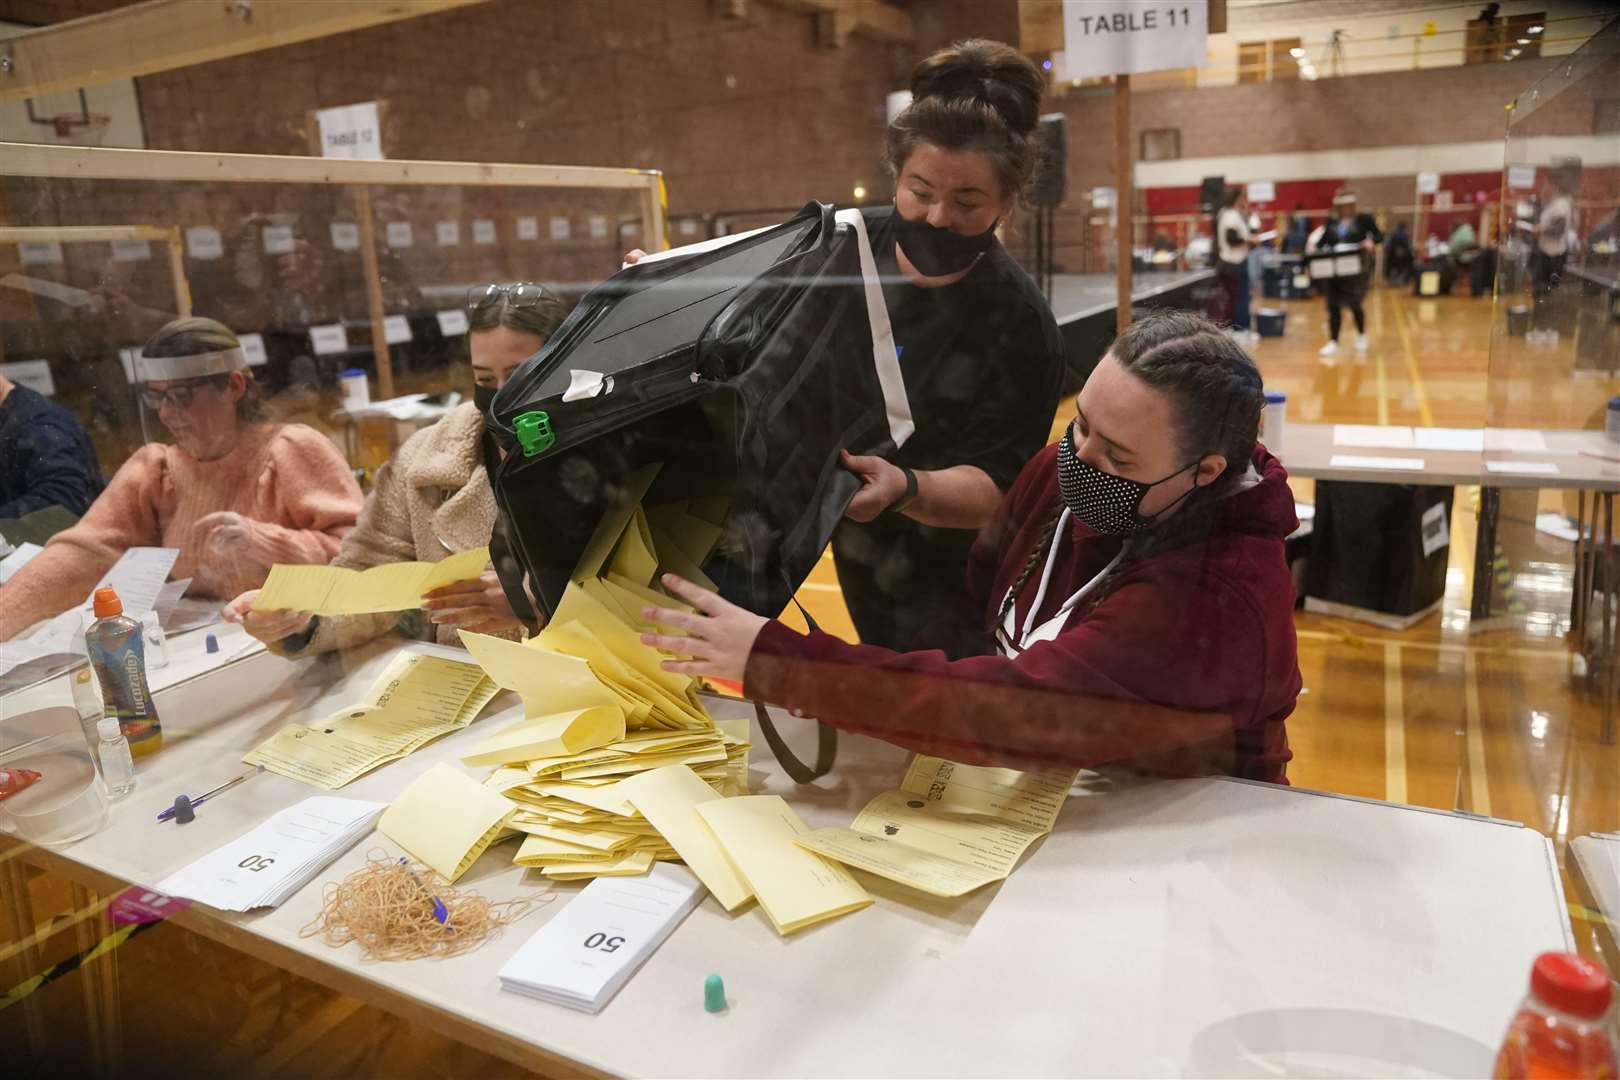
pixel 235 491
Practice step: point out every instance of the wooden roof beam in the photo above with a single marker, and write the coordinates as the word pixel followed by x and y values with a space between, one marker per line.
pixel 868 18
pixel 160 35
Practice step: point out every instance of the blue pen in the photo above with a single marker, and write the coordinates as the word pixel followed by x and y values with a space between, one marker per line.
pixel 205 796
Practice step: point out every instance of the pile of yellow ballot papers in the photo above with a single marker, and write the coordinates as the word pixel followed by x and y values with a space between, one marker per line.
pixel 616 763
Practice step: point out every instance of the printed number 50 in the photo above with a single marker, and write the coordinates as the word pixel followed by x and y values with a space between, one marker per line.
pixel 256 863
pixel 603 942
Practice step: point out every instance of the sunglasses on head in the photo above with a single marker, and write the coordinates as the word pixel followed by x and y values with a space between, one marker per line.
pixel 519 294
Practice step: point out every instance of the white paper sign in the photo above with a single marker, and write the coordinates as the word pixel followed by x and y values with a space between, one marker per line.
pixel 131 250
pixel 1361 461
pixel 1262 191
pixel 204 242
pixel 278 239
pixel 40 253
pixel 396 329
pixel 1436 530
pixel 345 236
pixel 253 349
pixel 351 131
pixel 1102 198
pixel 34 374
pixel 598 226
pixel 452 322
pixel 448 233
pixel 1118 37
pixel 1428 183
pixel 1442 200
pixel 483 231
pixel 528 228
pixel 1521 177
pixel 688 227
pixel 328 339
pixel 399 234
pixel 559 228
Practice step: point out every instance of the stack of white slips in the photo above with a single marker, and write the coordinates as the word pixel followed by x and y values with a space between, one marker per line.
pixel 591 948
pixel 266 865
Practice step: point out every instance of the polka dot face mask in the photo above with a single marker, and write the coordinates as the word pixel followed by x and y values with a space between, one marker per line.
pixel 1108 503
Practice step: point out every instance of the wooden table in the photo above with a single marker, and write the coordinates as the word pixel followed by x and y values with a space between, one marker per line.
pixel 1587 462
pixel 1198 926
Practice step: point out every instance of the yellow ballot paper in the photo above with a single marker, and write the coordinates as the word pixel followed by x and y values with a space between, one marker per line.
pixel 634 557
pixel 950 828
pixel 669 798
pixel 548 682
pixel 544 736
pixel 795 887
pixel 418 698
pixel 445 819
pixel 337 590
pixel 630 864
pixel 593 563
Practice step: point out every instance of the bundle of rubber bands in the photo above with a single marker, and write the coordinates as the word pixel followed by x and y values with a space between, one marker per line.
pixel 398 910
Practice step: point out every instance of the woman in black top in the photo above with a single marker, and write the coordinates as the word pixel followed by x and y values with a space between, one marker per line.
pixel 978 346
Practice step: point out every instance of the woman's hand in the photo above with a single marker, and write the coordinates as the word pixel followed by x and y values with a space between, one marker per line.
pixel 881 484
pixel 478 604
pixel 718 635
pixel 634 255
pixel 268 626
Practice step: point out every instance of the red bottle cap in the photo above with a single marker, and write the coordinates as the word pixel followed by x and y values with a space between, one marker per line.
pixel 1570 984
pixel 107 603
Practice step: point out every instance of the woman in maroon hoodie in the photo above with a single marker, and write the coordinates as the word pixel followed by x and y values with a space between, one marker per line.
pixel 1138 608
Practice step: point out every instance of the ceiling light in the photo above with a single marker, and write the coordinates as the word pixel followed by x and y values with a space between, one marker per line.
pixel 1537 29
pixel 1524 41
pixel 1297 53
pixel 859 193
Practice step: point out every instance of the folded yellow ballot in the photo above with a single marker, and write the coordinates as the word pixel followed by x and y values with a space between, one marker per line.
pixel 446 819
pixel 543 736
pixel 418 698
pixel 548 682
pixel 795 887
pixel 950 828
pixel 337 590
pixel 669 798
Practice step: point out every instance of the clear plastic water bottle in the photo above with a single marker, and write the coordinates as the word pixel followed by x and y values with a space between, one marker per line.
pixel 157 642
pixel 117 766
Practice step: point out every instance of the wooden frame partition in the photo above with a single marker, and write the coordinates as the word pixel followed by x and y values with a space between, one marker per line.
pixel 95 163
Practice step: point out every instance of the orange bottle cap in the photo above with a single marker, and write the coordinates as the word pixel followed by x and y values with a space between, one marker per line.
pixel 107 603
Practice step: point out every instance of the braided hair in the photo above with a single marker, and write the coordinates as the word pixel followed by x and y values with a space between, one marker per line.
pixel 1216 395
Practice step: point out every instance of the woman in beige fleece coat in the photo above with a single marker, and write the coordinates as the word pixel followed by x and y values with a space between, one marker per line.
pixel 432 500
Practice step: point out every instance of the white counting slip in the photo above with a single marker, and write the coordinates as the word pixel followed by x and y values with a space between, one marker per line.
pixel 265 865
pixel 591 948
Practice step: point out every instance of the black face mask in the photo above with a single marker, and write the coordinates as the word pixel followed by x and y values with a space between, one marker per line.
pixel 936 252
pixel 484 397
pixel 1107 503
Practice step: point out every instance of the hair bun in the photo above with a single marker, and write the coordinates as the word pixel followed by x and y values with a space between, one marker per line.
pixel 986 71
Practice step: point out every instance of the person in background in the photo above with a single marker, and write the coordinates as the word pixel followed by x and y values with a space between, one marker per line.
pixel 1232 236
pixel 236 492
pixel 1299 230
pixel 1553 229
pixel 1346 291
pixel 1462 247
pixel 433 499
pixel 1398 258
pixel 1133 597
pixel 46 459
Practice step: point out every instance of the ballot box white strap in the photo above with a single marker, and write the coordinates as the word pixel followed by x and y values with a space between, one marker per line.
pixel 884 359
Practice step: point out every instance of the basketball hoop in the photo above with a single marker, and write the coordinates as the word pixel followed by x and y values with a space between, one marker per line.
pixel 83 128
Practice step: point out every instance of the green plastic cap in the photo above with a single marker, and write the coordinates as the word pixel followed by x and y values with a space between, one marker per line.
pixel 533 432
pixel 714 994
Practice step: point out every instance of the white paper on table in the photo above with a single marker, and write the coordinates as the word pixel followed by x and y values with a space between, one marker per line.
pixel 1389 438
pixel 17 559
pixel 1357 461
pixel 267 864
pixel 168 597
pixel 591 947
pixel 1555 524
pixel 138 576
pixel 1523 468
pixel 1468 440
pixel 586 384
pixel 62 635
pixel 1522 440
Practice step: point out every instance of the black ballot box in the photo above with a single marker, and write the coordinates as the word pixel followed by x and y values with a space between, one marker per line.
pixel 1379 551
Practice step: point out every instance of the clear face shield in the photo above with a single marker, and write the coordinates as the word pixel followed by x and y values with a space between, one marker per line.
pixel 186 401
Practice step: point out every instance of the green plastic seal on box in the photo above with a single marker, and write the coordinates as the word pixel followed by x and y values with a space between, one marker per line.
pixel 533 432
